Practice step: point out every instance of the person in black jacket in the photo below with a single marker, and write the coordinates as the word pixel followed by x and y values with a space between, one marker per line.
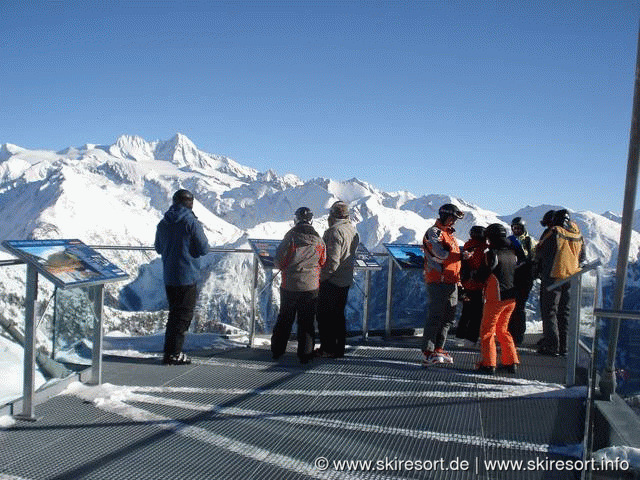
pixel 472 305
pixel 525 249
pixel 500 300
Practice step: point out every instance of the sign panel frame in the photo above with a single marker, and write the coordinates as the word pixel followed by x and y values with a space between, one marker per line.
pixel 265 250
pixel 364 259
pixel 67 263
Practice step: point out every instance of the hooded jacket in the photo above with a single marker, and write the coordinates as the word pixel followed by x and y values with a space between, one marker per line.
pixel 180 239
pixel 300 256
pixel 560 252
pixel 341 240
pixel 442 259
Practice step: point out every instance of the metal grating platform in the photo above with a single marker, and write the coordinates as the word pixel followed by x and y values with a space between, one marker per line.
pixel 238 415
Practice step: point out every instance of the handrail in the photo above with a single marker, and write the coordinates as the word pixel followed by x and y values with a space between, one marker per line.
pixel 7 263
pixel 144 248
pixel 590 413
pixel 621 314
pixel 148 248
pixel 585 269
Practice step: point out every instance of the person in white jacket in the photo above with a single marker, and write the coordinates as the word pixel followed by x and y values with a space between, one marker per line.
pixel 341 240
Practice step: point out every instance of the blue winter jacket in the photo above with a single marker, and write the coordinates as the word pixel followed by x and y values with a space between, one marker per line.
pixel 180 239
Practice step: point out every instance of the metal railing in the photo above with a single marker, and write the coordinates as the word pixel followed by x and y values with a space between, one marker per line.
pixel 575 343
pixel 573 330
pixel 97 294
pixel 592 387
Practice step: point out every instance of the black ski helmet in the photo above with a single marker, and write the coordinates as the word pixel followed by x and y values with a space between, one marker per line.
pixel 496 231
pixel 547 218
pixel 303 215
pixel 449 210
pixel 477 232
pixel 520 222
pixel 561 218
pixel 182 196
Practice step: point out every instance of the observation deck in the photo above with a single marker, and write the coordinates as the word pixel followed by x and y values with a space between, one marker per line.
pixel 237 414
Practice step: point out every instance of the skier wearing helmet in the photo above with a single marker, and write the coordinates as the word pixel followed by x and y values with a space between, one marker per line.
pixel 341 240
pixel 469 322
pixel 299 256
pixel 526 247
pixel 442 262
pixel 559 255
pixel 500 300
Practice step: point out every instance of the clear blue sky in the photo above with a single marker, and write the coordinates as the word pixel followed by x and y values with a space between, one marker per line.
pixel 501 103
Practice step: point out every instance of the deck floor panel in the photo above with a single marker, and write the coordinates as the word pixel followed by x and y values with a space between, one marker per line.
pixel 237 414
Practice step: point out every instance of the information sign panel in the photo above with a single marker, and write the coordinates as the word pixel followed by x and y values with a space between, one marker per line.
pixel 364 259
pixel 406 255
pixel 66 262
pixel 265 249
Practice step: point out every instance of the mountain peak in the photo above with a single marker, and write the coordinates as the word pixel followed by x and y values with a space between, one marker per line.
pixel 181 151
pixel 8 149
pixel 131 147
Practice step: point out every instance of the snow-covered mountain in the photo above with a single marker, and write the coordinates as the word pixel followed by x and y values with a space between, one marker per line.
pixel 618 218
pixel 116 194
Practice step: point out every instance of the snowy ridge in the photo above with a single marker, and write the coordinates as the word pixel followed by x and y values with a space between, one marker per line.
pixel 116 194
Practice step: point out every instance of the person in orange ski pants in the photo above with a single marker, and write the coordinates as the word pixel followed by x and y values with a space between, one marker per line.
pixel 500 302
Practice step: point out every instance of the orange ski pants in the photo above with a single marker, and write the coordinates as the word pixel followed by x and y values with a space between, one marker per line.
pixel 495 324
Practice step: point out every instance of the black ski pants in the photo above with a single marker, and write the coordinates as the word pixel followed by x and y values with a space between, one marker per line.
pixel 471 316
pixel 303 306
pixel 518 321
pixel 442 301
pixel 182 303
pixel 332 324
pixel 555 309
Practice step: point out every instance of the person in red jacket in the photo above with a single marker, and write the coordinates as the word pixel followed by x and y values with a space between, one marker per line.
pixel 469 322
pixel 442 262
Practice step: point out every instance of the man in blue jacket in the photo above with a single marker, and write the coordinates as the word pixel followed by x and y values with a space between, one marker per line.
pixel 180 239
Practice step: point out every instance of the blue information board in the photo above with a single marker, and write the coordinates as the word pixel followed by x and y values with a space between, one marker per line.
pixel 406 255
pixel 66 262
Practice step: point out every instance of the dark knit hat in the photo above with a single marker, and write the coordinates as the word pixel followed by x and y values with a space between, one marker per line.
pixel 339 210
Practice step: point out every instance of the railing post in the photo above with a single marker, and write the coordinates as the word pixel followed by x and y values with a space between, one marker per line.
pixel 573 330
pixel 254 287
pixel 365 305
pixel 96 353
pixel 387 322
pixel 54 322
pixel 28 381
pixel 587 474
pixel 608 380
